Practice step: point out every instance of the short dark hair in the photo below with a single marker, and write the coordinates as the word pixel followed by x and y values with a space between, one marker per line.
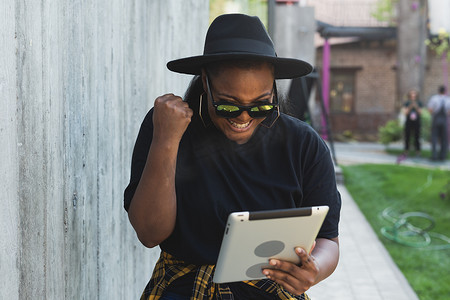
pixel 442 89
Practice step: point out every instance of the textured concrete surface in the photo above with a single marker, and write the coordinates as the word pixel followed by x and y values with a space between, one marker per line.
pixel 76 80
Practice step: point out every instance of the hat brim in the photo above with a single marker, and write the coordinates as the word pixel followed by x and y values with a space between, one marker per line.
pixel 285 68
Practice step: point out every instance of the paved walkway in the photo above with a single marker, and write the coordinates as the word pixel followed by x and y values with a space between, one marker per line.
pixel 351 153
pixel 365 270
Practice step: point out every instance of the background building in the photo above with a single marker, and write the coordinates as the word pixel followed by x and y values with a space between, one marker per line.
pixel 365 60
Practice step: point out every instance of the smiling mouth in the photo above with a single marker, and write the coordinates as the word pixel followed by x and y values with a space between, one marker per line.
pixel 239 125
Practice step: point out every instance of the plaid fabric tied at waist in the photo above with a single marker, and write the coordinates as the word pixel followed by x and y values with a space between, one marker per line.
pixel 168 269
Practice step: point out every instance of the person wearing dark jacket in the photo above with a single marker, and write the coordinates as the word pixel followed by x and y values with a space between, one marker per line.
pixel 439 107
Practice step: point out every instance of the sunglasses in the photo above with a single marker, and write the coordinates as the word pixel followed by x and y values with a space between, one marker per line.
pixel 231 110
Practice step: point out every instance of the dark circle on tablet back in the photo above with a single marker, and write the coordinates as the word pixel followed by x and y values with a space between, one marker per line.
pixel 269 248
pixel 255 271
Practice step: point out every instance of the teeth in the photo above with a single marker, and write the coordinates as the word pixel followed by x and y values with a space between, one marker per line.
pixel 237 125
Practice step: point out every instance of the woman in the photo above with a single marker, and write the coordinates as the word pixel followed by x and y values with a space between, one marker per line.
pixel 412 110
pixel 227 148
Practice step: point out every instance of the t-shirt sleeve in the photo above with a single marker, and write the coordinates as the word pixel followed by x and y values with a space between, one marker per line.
pixel 320 187
pixel 139 158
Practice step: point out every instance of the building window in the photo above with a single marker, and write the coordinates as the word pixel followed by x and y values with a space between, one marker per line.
pixel 342 91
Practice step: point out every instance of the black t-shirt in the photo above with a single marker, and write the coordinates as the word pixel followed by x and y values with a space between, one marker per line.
pixel 285 166
pixel 413 114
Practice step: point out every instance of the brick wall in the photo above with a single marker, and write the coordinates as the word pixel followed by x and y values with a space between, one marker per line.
pixel 375 84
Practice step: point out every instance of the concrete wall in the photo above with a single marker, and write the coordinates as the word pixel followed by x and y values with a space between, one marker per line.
pixel 76 79
pixel 292 31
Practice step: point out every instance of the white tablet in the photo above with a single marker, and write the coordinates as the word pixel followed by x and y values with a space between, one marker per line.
pixel 252 238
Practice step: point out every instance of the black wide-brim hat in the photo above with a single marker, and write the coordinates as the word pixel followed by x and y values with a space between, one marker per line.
pixel 238 36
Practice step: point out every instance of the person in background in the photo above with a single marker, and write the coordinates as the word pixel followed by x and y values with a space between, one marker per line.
pixel 412 110
pixel 226 147
pixel 439 107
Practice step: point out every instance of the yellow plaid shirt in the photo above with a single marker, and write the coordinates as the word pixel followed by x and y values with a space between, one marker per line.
pixel 168 269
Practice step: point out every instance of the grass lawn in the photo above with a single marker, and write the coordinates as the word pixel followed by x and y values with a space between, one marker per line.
pixel 406 189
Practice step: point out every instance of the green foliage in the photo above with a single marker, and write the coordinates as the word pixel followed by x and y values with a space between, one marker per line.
pixel 348 134
pixel 250 7
pixel 440 44
pixel 391 132
pixel 385 11
pixel 407 189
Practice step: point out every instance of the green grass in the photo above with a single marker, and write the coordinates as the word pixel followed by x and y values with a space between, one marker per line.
pixel 407 189
pixel 424 153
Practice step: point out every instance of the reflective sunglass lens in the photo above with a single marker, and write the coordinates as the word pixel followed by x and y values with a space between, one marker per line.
pixel 227 108
pixel 262 108
pixel 233 111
